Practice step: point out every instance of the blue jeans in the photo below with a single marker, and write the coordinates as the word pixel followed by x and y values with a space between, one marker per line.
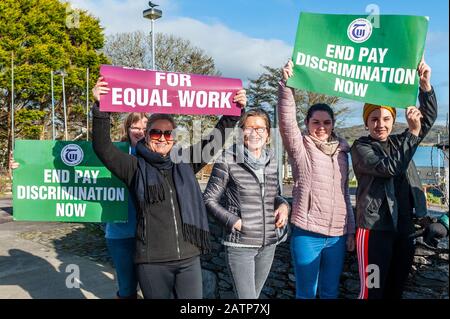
pixel 318 262
pixel 122 254
pixel 249 268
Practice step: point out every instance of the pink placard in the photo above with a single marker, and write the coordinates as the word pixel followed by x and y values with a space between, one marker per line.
pixel 140 90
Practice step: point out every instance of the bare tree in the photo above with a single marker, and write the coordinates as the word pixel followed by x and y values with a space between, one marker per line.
pixel 173 54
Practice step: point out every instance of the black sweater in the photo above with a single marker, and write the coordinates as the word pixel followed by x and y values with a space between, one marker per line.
pixel 387 177
pixel 159 233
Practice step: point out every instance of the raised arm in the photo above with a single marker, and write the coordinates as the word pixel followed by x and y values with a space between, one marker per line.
pixel 427 100
pixel 367 161
pixel 287 114
pixel 199 155
pixel 119 163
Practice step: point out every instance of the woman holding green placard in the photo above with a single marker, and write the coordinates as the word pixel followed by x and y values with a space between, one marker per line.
pixel 389 192
pixel 322 215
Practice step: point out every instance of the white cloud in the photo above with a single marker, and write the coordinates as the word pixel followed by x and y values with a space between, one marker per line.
pixel 121 16
pixel 236 54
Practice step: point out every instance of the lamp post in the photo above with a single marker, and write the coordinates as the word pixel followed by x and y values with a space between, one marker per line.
pixel 53 106
pixel 87 104
pixel 152 14
pixel 63 74
pixel 12 101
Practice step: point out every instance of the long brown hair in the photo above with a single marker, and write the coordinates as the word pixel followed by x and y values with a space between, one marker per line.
pixel 129 120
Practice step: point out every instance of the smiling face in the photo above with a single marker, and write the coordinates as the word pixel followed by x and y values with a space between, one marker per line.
pixel 137 131
pixel 320 125
pixel 158 142
pixel 380 123
pixel 256 133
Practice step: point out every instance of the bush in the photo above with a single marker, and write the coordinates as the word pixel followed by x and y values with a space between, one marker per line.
pixel 433 199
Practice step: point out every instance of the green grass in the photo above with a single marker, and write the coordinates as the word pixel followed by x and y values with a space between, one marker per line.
pixel 352 184
pixel 432 199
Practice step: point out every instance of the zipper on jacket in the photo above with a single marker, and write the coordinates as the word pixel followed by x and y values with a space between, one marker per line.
pixel 174 217
pixel 142 236
pixel 332 198
pixel 261 188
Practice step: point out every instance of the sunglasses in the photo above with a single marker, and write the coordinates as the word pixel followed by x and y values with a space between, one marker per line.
pixel 156 134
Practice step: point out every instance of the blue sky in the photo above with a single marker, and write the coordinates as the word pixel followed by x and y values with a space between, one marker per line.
pixel 244 35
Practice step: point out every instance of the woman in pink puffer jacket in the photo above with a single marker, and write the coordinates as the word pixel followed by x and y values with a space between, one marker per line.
pixel 322 214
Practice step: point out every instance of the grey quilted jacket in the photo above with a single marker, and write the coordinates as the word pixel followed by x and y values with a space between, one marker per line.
pixel 234 192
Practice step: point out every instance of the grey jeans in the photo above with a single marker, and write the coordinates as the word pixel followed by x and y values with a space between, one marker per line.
pixel 249 268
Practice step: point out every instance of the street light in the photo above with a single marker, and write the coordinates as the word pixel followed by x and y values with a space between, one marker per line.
pixel 12 100
pixel 87 104
pixel 53 106
pixel 152 14
pixel 63 74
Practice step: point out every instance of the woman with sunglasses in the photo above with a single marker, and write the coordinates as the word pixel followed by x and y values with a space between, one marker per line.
pixel 389 192
pixel 172 225
pixel 322 213
pixel 120 237
pixel 243 195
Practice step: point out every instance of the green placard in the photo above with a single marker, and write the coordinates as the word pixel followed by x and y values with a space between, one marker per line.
pixel 66 182
pixel 348 56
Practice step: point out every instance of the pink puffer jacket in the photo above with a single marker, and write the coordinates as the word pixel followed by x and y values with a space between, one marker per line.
pixel 321 199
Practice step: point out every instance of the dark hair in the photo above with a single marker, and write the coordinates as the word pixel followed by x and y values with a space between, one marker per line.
pixel 158 116
pixel 255 112
pixel 319 107
pixel 130 120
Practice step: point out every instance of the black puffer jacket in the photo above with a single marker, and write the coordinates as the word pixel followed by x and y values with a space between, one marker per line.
pixel 376 171
pixel 234 193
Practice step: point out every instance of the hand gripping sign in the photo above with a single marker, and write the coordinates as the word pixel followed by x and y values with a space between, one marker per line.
pixel 355 60
pixel 139 90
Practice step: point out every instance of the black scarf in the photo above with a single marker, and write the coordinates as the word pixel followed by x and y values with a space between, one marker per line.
pixel 149 190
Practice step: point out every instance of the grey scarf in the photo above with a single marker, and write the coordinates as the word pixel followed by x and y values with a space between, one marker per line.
pixel 254 163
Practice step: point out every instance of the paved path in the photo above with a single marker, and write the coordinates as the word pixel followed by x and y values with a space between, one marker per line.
pixel 31 270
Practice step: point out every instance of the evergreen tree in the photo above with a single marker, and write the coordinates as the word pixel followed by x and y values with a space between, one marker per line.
pixel 41 36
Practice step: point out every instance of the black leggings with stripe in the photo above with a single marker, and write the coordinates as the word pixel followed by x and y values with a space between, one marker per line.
pixel 385 260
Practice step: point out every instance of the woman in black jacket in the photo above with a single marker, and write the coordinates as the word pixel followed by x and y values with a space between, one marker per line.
pixel 172 226
pixel 252 213
pixel 389 193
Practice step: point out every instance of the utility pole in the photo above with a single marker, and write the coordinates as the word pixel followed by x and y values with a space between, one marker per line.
pixel 12 101
pixel 87 104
